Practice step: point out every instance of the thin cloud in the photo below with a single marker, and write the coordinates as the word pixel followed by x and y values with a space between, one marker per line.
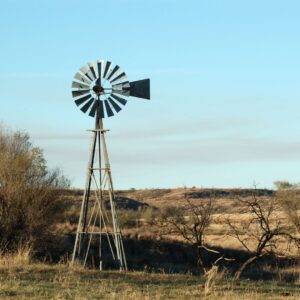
pixel 58 136
pixel 212 151
pixel 195 128
pixel 188 128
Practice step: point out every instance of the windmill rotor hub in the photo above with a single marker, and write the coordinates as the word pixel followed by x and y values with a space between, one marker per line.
pixel 98 89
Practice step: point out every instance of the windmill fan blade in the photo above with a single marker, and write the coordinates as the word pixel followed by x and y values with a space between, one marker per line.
pixel 108 109
pixel 107 67
pixel 80 77
pixel 119 99
pixel 140 88
pixel 115 69
pixel 94 108
pixel 86 106
pixel 85 71
pixel 93 70
pixel 121 76
pixel 114 104
pixel 78 93
pixel 77 85
pixel 81 100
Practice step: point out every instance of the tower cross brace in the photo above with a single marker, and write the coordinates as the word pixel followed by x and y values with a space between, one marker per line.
pixel 98 226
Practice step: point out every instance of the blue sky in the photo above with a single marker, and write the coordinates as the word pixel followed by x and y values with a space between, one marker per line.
pixel 224 108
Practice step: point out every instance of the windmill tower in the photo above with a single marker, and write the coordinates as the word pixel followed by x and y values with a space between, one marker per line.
pixel 101 90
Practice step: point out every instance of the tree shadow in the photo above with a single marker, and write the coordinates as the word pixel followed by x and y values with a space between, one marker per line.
pixel 171 257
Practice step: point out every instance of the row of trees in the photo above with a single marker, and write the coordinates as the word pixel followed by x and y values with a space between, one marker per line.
pixel 259 232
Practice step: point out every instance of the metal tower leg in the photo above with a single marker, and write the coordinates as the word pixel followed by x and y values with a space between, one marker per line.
pixel 98 216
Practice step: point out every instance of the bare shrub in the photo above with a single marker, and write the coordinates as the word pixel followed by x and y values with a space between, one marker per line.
pixel 148 215
pixel 30 199
pixel 260 232
pixel 288 196
pixel 191 223
pixel 136 218
pixel 128 218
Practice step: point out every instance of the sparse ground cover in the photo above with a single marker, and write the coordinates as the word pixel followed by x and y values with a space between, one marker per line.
pixel 160 255
pixel 184 243
pixel 135 222
pixel 43 281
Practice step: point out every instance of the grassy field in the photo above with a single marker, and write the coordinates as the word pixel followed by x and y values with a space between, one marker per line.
pixel 164 259
pixel 135 223
pixel 42 281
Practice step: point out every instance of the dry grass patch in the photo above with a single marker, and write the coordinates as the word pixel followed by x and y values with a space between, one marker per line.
pixel 42 281
pixel 21 257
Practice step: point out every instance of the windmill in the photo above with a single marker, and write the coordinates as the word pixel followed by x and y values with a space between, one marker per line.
pixel 100 89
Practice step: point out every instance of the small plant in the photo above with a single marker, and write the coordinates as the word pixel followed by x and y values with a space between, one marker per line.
pixel 128 218
pixel 21 257
pixel 148 215
pixel 210 279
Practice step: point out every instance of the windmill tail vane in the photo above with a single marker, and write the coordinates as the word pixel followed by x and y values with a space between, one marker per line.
pixel 101 90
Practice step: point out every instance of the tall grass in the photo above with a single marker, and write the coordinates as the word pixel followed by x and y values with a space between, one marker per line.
pixel 21 257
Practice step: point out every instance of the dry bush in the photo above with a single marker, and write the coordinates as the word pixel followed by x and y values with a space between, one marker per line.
pixel 30 201
pixel 148 215
pixel 259 233
pixel 191 223
pixel 136 218
pixel 288 196
pixel 128 218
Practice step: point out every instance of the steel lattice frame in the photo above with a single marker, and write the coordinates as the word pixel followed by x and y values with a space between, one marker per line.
pixel 101 90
